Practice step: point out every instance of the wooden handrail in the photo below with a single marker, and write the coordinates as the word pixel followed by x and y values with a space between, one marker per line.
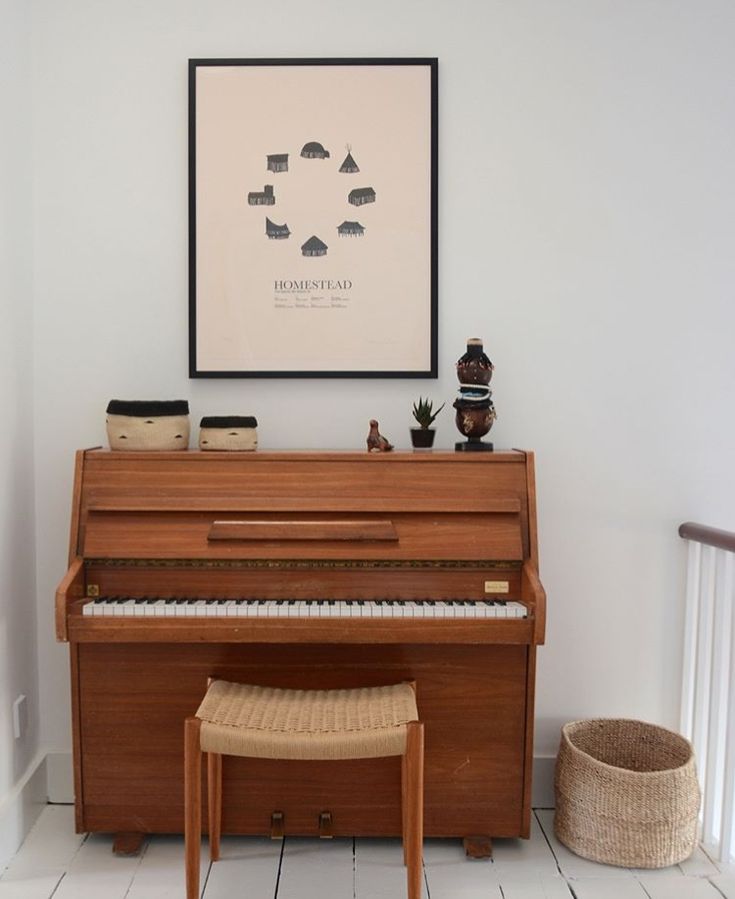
pixel 707 535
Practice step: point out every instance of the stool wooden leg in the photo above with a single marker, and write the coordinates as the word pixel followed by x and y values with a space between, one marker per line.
pixel 192 804
pixel 214 792
pixel 413 791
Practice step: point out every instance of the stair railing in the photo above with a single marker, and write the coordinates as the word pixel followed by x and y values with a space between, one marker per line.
pixel 708 679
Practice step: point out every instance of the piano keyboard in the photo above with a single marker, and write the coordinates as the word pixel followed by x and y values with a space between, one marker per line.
pixel 311 608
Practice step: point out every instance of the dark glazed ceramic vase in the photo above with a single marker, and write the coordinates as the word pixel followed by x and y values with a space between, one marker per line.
pixel 475 410
pixel 474 367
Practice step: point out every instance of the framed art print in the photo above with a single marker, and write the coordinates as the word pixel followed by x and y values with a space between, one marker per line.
pixel 313 218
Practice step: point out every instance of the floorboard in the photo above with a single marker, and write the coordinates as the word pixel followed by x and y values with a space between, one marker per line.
pixel 315 869
pixel 248 867
pixel 56 863
pixel 679 888
pixel 379 869
pixel 450 875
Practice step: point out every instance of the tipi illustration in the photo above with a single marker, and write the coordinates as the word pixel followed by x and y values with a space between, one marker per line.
pixel 349 165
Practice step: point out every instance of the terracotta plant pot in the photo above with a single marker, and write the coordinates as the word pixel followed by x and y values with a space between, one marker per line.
pixel 422 438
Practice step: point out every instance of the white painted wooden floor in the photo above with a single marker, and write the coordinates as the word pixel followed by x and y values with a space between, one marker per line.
pixel 56 862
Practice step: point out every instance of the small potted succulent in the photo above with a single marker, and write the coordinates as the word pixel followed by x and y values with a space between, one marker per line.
pixel 423 436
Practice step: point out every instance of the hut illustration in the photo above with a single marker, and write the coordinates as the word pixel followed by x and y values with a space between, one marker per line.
pixel 314 247
pixel 262 198
pixel 276 232
pixel 350 229
pixel 361 195
pixel 277 162
pixel 314 150
pixel 349 165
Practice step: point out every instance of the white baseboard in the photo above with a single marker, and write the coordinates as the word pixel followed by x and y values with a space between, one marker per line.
pixel 542 794
pixel 21 807
pixel 60 777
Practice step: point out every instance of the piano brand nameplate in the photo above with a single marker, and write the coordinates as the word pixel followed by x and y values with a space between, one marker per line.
pixel 497 587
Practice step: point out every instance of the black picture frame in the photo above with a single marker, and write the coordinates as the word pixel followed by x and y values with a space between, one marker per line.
pixel 210 83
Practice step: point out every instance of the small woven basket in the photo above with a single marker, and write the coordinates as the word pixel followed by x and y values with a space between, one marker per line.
pixel 626 793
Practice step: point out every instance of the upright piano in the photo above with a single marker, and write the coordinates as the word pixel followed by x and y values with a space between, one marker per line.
pixel 308 570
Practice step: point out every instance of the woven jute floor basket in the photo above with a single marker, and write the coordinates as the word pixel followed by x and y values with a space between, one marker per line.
pixel 626 793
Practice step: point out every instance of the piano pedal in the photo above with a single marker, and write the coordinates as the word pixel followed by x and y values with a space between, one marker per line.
pixel 277 826
pixel 326 831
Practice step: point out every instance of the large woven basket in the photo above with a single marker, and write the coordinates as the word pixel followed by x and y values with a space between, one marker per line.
pixel 626 793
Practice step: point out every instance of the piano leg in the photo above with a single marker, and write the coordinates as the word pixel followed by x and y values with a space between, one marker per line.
pixel 478 847
pixel 127 843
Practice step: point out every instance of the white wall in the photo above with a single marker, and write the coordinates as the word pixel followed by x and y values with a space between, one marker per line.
pixel 595 259
pixel 18 663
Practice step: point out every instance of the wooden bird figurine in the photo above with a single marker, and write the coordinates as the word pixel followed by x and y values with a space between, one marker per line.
pixel 376 443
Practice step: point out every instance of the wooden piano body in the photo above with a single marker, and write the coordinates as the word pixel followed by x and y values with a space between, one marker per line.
pixel 301 525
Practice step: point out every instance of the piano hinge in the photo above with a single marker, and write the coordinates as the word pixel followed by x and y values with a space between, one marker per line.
pixel 93 590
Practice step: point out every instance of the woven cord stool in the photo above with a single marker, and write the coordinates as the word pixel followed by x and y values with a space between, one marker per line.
pixel 272 723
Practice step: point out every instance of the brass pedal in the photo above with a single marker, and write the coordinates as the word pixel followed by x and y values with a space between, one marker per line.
pixel 277 826
pixel 326 831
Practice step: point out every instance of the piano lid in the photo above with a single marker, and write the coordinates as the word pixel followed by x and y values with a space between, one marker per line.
pixel 397 506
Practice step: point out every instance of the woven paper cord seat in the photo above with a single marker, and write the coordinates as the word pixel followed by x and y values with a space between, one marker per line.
pixel 268 722
pixel 626 793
